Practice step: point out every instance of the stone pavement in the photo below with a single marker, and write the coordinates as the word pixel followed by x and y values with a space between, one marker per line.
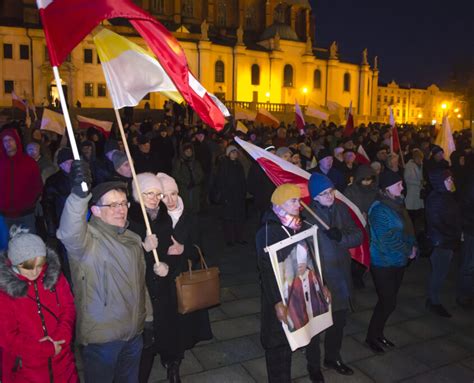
pixel 429 348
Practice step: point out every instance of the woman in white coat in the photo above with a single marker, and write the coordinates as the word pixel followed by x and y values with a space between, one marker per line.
pixel 413 176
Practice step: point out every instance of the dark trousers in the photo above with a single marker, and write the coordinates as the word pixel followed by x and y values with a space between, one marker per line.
pixel 466 269
pixel 116 361
pixel 278 359
pixel 440 260
pixel 387 281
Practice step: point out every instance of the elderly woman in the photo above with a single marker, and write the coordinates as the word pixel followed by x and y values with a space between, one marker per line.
pixel 37 313
pixel 278 223
pixel 392 243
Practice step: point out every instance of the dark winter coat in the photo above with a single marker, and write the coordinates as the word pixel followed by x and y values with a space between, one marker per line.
pixel 189 177
pixel 467 206
pixel 335 256
pixel 230 182
pixel 148 162
pixel 20 180
pixel 443 214
pixel 21 325
pixel 260 186
pixel 163 148
pixel 56 191
pixel 362 196
pixel 335 175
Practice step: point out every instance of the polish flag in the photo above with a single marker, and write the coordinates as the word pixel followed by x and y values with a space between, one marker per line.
pixel 280 172
pixel 266 118
pixel 103 126
pixel 299 119
pixel 18 103
pixel 317 112
pixel 362 156
pixel 394 140
pixel 349 129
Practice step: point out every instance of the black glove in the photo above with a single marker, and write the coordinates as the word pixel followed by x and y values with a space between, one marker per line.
pixel 334 233
pixel 80 172
pixel 148 335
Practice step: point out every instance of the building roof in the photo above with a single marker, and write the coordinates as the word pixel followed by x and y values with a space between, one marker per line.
pixel 284 30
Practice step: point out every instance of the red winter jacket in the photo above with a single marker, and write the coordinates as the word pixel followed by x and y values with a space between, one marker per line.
pixel 25 359
pixel 20 180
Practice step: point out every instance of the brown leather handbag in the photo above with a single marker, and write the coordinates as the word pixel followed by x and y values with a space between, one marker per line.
pixel 198 289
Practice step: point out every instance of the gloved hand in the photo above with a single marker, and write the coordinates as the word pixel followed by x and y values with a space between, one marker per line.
pixel 148 335
pixel 150 243
pixel 161 269
pixel 334 233
pixel 80 172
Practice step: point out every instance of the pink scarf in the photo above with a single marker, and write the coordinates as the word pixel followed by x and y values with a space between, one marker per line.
pixel 288 220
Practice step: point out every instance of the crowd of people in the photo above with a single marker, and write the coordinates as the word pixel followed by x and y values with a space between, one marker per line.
pixel 75 242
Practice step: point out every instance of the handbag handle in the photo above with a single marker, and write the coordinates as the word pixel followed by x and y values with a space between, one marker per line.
pixel 201 259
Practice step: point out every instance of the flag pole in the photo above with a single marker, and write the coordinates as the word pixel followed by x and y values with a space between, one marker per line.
pixel 315 216
pixel 135 180
pixel 67 119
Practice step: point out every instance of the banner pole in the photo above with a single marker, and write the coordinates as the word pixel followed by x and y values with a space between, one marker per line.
pixel 135 180
pixel 315 216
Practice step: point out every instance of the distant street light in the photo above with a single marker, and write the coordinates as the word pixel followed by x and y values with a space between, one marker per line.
pixel 443 106
pixel 420 115
pixel 459 116
pixel 456 110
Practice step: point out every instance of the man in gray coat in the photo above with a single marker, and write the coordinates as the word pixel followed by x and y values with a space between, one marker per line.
pixel 108 276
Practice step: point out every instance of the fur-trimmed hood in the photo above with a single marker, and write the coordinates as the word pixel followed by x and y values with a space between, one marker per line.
pixel 16 286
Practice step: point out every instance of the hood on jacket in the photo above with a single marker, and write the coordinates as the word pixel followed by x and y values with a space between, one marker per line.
pixel 14 134
pixel 362 172
pixel 16 286
pixel 437 177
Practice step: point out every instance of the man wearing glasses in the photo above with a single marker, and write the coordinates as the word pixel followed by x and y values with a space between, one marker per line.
pixel 108 275
pixel 334 244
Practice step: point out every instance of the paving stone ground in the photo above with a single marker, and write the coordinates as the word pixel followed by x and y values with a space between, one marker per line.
pixel 429 348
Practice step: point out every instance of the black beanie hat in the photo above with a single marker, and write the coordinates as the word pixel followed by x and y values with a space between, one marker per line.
pixel 388 178
pixel 64 154
pixel 323 153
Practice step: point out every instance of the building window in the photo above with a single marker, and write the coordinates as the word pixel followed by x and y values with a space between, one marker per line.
pixel 378 111
pixel 391 100
pixel 101 90
pixel 7 51
pixel 188 9
pixel 347 82
pixel 89 89
pixel 158 6
pixel 384 98
pixel 398 100
pixel 378 97
pixel 221 14
pixel 288 76
pixel 8 86
pixel 24 52
pixel 317 79
pixel 88 56
pixel 398 112
pixel 219 71
pixel 146 97
pixel 255 74
pixel 250 18
pixel 404 100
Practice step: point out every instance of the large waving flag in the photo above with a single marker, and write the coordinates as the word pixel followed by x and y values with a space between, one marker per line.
pixel 445 139
pixel 280 172
pixel 67 22
pixel 394 140
pixel 266 118
pixel 53 122
pixel 130 71
pixel 299 118
pixel 349 129
pixel 104 126
pixel 317 112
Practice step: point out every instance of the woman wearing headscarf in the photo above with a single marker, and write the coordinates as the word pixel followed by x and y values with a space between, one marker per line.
pixel 279 223
pixel 392 244
pixel 37 313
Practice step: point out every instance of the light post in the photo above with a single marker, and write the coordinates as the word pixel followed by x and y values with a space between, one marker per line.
pixel 305 91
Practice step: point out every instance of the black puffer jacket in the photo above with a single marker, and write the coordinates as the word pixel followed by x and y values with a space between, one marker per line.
pixel 467 204
pixel 56 191
pixel 443 215
pixel 362 196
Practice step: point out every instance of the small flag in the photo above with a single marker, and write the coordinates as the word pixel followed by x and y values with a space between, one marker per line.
pixel 349 129
pixel 244 114
pixel 445 139
pixel 18 103
pixel 53 122
pixel 280 172
pixel 317 112
pixel 394 140
pixel 266 118
pixel 361 156
pixel 241 127
pixel 299 119
pixel 104 126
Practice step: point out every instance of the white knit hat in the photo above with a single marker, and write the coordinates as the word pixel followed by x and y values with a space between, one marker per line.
pixel 24 245
pixel 169 184
pixel 146 181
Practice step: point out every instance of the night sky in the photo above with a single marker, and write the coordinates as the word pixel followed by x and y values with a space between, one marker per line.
pixel 418 42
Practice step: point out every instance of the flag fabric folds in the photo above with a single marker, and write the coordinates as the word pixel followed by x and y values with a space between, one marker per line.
pixel 130 71
pixel 349 129
pixel 103 126
pixel 300 124
pixel 67 22
pixel 317 112
pixel 445 139
pixel 18 102
pixel 280 172
pixel 53 122
pixel 266 118
pixel 362 156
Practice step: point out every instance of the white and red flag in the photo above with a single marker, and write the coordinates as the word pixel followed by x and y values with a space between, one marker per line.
pixel 280 172
pixel 361 156
pixel 266 118
pixel 299 118
pixel 394 140
pixel 444 138
pixel 18 102
pixel 103 126
pixel 349 129
pixel 67 22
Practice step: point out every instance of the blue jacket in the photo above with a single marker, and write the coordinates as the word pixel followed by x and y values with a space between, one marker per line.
pixel 3 234
pixel 390 246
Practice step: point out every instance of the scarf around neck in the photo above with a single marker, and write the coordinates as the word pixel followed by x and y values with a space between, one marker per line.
pixel 286 219
pixel 177 212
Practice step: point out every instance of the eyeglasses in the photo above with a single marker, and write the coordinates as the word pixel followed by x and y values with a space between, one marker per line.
pixel 326 193
pixel 172 194
pixel 116 205
pixel 153 195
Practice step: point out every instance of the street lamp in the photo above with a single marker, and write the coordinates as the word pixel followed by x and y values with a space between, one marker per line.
pixel 304 90
pixel 420 115
pixel 456 110
pixel 443 106
pixel 267 95
pixel 459 115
